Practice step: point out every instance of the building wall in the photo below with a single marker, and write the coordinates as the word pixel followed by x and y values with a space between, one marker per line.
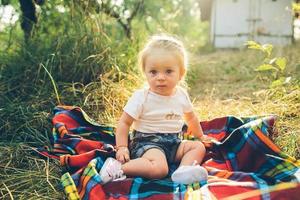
pixel 233 22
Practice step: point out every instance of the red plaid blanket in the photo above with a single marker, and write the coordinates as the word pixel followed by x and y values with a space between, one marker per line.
pixel 246 164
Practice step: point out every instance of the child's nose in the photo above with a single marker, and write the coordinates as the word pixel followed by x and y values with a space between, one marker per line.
pixel 161 76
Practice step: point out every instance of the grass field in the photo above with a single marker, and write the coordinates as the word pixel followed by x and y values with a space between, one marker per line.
pixel 225 83
pixel 221 83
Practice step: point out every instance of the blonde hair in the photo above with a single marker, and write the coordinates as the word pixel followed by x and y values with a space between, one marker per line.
pixel 168 43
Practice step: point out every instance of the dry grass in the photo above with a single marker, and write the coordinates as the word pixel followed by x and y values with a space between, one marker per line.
pixel 221 83
pixel 26 176
pixel 224 83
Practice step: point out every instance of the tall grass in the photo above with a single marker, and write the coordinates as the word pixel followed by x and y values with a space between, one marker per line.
pixel 89 63
pixel 225 83
pixel 25 176
pixel 75 65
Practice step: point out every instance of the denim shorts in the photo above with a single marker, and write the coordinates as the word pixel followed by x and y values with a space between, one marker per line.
pixel 168 143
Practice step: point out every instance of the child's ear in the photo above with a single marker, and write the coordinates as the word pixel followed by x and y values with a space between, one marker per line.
pixel 182 73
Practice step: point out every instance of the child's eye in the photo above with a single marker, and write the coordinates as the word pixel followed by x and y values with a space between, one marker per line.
pixel 153 72
pixel 169 71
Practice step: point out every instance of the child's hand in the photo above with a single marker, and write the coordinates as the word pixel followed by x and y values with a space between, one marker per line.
pixel 122 154
pixel 207 141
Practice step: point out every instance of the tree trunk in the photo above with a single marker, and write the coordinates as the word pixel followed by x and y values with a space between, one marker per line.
pixel 28 17
pixel 205 9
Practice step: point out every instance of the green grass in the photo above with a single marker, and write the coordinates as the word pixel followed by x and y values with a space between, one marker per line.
pixel 82 58
pixel 221 83
pixel 26 176
pixel 225 83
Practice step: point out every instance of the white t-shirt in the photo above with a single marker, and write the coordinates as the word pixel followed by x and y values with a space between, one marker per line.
pixel 154 113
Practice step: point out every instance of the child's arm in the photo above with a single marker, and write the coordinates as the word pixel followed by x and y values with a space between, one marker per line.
pixel 195 127
pixel 122 137
pixel 193 124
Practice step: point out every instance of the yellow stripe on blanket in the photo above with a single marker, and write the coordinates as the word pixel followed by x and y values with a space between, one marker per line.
pixel 69 187
pixel 260 192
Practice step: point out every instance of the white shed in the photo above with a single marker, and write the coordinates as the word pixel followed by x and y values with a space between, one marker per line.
pixel 233 22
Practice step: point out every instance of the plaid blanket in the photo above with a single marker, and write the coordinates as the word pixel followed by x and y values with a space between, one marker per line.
pixel 245 164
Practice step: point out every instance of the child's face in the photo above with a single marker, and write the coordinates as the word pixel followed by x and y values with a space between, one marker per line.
pixel 162 70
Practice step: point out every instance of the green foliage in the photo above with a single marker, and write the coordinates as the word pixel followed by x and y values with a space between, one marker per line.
pixel 80 55
pixel 283 92
pixel 225 83
pixel 74 58
pixel 276 66
pixel 181 18
pixel 67 52
pixel 296 7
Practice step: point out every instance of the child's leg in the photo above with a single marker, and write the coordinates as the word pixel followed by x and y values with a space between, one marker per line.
pixel 153 165
pixel 190 151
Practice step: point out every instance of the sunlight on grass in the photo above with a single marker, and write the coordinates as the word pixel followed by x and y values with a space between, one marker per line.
pixel 225 83
pixel 24 175
pixel 82 57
